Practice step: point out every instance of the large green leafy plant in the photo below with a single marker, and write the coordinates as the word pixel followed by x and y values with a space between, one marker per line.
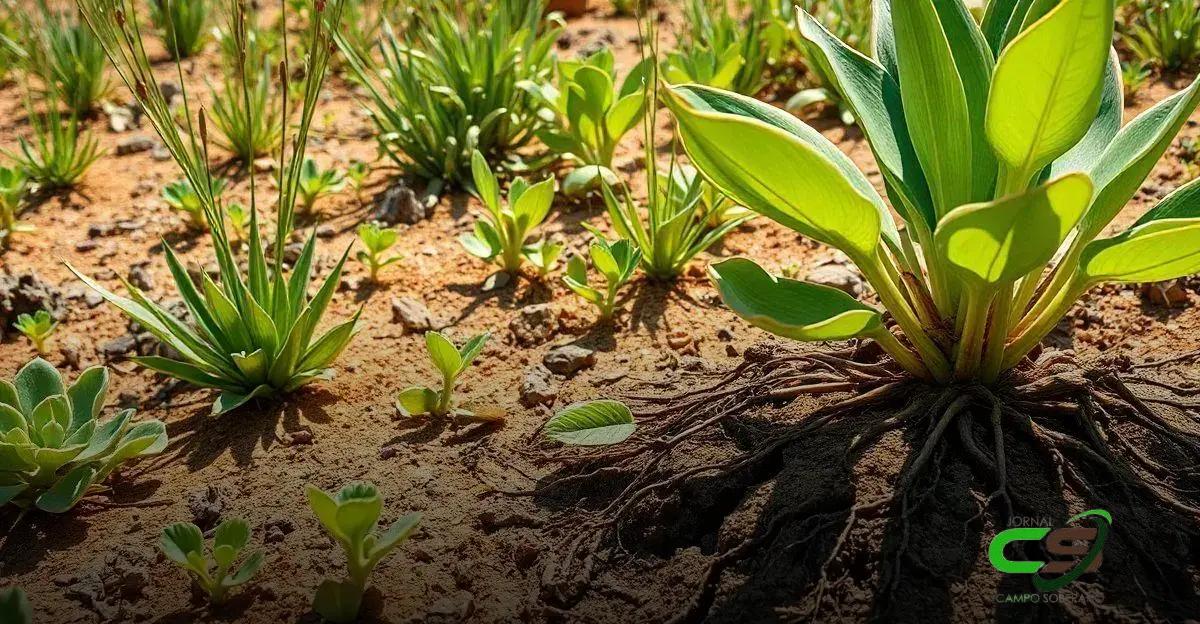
pixel 1001 148
pixel 54 450
pixel 254 334
pixel 462 77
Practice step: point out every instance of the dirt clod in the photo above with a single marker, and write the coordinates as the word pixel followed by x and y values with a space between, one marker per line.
pixel 569 359
pixel 412 314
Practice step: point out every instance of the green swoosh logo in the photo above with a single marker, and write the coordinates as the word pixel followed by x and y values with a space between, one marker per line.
pixel 1103 524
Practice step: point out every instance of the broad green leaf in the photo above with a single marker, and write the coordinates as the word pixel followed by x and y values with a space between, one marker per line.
pixel 1132 155
pixel 8 394
pixel 586 178
pixel 625 114
pixel 338 602
pixel 14 606
pixel 328 347
pixel 416 401
pixel 999 242
pixel 1156 251
pixel 184 371
pixel 358 516
pixel 1183 203
pixel 485 181
pixel 975 63
pixel 87 395
pixel 1048 83
pixel 935 103
pixel 444 354
pixel 790 308
pixel 775 173
pixel 35 382
pixel 10 492
pixel 64 494
pixel 234 533
pixel 180 540
pixel 593 423
pixel 1090 149
pixel 395 535
pixel 252 365
pixel 247 570
pixel 471 350
pixel 228 401
pixel 324 507
pixel 483 243
pixel 533 205
pixel 874 98
pixel 10 418
pixel 106 437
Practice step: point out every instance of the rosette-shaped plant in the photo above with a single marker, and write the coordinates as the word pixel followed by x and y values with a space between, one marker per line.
pixel 53 448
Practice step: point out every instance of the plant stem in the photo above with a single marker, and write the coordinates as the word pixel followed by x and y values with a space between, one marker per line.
pixel 893 300
pixel 970 342
pixel 907 360
pixel 997 336
pixel 1037 329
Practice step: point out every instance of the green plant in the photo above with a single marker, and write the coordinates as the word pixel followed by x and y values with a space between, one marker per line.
pixel 543 255
pixel 1164 34
pixel 848 20
pixel 461 78
pixel 590 117
pixel 53 449
pixel 994 170
pixel 183 543
pixel 1134 77
pixel 376 240
pixel 451 362
pixel 501 234
pixel 616 262
pixel 253 335
pixel 182 23
pixel 238 219
pixel 11 52
pixel 351 519
pixel 13 184
pixel 181 196
pixel 58 153
pixel 720 50
pixel 37 328
pixel 357 174
pixel 592 423
pixel 625 8
pixel 68 59
pixel 315 184
pixel 14 607
pixel 249 121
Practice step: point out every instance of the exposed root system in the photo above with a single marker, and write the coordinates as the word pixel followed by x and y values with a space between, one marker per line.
pixel 1086 425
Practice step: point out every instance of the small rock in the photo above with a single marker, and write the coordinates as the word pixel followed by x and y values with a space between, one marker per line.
pixel 725 334
pixel 569 359
pixel 135 144
pixel 99 230
pixel 399 205
pixel 679 340
pixel 351 283
pixel 838 276
pixel 326 231
pixel 731 351
pixel 169 90
pixel 496 281
pixel 276 529
pixel 537 387
pixel 160 153
pixel 1169 294
pixel 206 505
pixel 118 347
pixel 86 246
pixel 303 437
pixel 141 278
pixel 534 324
pixel 71 349
pixel 412 314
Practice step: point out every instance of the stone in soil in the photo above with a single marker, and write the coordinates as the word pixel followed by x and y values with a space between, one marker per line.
pixel 569 359
pixel 538 387
pixel 207 504
pixel 413 315
pixel 399 204
pixel 135 144
pixel 838 276
pixel 534 324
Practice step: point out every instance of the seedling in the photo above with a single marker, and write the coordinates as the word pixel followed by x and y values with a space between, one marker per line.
pixel 501 234
pixel 56 449
pixel 254 334
pixel 37 328
pixel 451 362
pixel 239 220
pixel 13 185
pixel 351 518
pixel 591 117
pixel 1164 34
pixel 441 91
pixel 183 543
pixel 182 23
pixel 316 183
pixel 543 255
pixel 182 196
pixel 357 174
pixel 377 240
pixel 14 607
pixel 616 262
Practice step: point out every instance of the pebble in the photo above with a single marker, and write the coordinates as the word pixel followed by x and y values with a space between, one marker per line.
pixel 412 314
pixel 569 359
pixel 135 144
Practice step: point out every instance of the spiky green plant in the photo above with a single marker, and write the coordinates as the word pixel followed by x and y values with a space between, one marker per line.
pixel 183 543
pixel 254 334
pixel 11 51
pixel 13 185
pixel 996 167
pixel 501 235
pixel 53 448
pixel 183 25
pixel 1164 34
pixel 722 47
pixel 249 120
pixel 37 327
pixel 460 79
pixel 68 60
pixel 181 196
pixel 59 152
pixel 351 518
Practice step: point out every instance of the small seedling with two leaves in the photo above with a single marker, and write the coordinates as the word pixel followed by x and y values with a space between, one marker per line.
pixel 357 174
pixel 543 255
pixel 182 196
pixel 37 328
pixel 376 240
pixel 616 262
pixel 316 183
pixel 451 362
pixel 183 543
pixel 500 236
pixel 351 518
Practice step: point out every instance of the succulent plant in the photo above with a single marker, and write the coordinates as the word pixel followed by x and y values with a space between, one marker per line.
pixel 183 543
pixel 37 327
pixel 53 448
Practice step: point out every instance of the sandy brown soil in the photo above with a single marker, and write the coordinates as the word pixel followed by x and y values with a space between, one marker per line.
pixel 480 555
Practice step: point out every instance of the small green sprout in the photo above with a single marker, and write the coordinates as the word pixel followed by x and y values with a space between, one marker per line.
pixel 37 328
pixel 13 184
pixel 315 184
pixel 451 362
pixel 357 174
pixel 183 543
pixel 615 261
pixel 239 220
pixel 182 196
pixel 543 255
pixel 500 236
pixel 351 519
pixel 376 240
pixel 14 607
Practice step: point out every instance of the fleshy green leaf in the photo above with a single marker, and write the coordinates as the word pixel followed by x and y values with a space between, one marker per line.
pixel 416 401
pixel 180 540
pixel 1153 252
pixel 444 354
pixel 64 494
pixel 35 382
pixel 594 423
